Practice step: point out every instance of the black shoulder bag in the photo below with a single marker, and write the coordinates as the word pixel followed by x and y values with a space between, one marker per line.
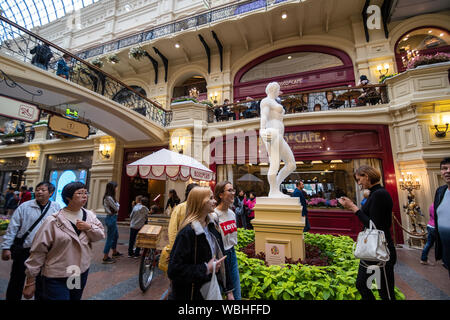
pixel 17 248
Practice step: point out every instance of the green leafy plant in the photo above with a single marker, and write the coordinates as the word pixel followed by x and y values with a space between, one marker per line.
pixel 14 134
pixel 185 99
pixel 382 78
pixel 207 102
pixel 136 52
pixel 97 62
pixel 40 122
pixel 114 58
pixel 302 281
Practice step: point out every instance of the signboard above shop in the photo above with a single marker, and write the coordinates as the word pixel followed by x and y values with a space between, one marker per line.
pixel 16 109
pixel 68 126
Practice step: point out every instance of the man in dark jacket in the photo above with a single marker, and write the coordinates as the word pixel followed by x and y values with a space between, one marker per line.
pixel 41 56
pixel 298 192
pixel 442 216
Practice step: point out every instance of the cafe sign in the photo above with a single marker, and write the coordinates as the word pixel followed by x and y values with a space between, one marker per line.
pixel 16 109
pixel 68 126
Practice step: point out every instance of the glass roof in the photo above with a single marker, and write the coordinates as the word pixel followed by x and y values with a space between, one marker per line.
pixel 33 13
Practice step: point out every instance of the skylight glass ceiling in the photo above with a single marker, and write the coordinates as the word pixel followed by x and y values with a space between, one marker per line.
pixel 33 13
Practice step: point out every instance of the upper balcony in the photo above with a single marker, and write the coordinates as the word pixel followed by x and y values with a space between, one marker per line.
pixel 39 72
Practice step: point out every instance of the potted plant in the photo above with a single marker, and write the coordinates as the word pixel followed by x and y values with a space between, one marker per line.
pixel 10 138
pixel 185 99
pixel 207 102
pixel 382 78
pixel 97 62
pixel 137 52
pixel 428 59
pixel 114 58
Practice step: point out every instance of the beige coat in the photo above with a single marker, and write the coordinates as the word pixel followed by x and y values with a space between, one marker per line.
pixel 57 246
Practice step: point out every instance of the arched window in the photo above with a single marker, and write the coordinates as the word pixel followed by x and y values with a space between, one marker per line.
pixel 195 84
pixel 296 69
pixel 422 41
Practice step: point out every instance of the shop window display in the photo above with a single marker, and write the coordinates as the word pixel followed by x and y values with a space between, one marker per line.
pixel 324 180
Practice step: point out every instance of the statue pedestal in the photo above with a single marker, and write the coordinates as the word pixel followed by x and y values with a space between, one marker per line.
pixel 278 226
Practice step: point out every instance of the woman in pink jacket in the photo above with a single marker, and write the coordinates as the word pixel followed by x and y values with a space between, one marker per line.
pixel 62 248
pixel 250 203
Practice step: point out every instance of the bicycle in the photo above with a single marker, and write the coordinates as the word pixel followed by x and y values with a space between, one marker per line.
pixel 147 239
pixel 149 261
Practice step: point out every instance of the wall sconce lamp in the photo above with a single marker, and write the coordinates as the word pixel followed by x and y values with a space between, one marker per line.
pixel 32 156
pixel 408 182
pixel 178 144
pixel 439 133
pixel 213 96
pixel 105 151
pixel 385 67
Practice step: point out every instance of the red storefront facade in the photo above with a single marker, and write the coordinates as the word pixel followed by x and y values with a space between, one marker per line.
pixel 324 142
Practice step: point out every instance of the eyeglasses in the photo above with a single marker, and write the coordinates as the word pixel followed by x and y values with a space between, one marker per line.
pixel 231 190
pixel 82 193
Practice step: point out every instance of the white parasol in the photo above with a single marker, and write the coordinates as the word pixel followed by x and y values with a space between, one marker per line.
pixel 165 164
pixel 250 178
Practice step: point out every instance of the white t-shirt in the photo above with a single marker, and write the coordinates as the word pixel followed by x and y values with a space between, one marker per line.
pixel 73 216
pixel 228 229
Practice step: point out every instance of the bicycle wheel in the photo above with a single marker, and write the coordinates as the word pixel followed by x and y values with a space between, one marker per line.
pixel 146 269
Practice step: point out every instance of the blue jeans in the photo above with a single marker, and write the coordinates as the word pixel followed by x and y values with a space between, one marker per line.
pixel 430 242
pixel 57 289
pixel 112 234
pixel 231 260
pixel 133 235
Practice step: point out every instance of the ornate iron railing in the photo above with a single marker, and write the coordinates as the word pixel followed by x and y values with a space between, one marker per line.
pixel 338 98
pixel 210 16
pixel 21 41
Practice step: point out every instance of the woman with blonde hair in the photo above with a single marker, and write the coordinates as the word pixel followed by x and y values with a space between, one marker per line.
pixel 197 247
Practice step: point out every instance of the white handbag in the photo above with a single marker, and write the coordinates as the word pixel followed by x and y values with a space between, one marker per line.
pixel 211 289
pixel 371 245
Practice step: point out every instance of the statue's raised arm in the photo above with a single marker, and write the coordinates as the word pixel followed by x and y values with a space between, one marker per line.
pixel 272 133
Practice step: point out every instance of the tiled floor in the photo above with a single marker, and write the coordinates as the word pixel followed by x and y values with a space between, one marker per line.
pixel 119 281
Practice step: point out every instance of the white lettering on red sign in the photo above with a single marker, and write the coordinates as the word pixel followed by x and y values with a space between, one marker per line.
pixel 228 227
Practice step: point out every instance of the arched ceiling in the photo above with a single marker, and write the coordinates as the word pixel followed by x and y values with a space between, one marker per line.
pixel 34 13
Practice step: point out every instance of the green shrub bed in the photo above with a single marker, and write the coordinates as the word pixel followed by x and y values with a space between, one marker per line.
pixel 302 281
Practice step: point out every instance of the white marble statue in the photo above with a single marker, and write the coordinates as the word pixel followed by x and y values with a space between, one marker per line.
pixel 272 133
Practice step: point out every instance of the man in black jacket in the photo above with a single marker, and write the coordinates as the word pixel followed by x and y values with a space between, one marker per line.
pixel 442 216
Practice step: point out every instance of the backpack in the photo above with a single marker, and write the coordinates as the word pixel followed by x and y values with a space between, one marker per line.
pixel 44 54
pixel 239 210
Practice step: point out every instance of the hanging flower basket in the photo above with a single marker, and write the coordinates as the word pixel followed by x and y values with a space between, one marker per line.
pixel 97 62
pixel 428 59
pixel 77 68
pixel 136 53
pixel 113 59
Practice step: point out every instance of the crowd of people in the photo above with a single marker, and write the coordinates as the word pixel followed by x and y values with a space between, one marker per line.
pixel 50 245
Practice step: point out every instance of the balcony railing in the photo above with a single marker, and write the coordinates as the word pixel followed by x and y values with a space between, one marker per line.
pixel 338 98
pixel 213 15
pixel 20 41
